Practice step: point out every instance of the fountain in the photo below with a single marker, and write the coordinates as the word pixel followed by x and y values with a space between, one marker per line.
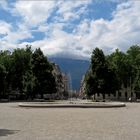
pixel 74 104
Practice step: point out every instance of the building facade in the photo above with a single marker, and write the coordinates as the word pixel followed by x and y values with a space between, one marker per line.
pixel 61 80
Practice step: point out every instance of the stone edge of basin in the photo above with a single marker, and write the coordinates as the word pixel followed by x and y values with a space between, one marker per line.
pixel 104 105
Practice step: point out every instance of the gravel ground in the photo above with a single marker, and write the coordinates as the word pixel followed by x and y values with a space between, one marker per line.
pixel 69 123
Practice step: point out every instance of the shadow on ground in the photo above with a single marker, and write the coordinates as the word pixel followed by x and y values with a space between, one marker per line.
pixel 6 132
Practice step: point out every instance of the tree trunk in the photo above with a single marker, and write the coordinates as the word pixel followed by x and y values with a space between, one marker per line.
pixel 94 97
pixel 103 97
pixel 42 96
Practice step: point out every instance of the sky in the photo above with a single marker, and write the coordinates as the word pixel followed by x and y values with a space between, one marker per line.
pixel 69 28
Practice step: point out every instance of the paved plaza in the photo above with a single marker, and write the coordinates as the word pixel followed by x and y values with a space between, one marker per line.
pixel 18 123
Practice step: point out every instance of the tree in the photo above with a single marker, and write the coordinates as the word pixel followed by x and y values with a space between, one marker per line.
pixel 42 69
pixel 133 55
pixel 21 64
pixel 5 62
pixel 25 73
pixel 100 78
pixel 90 84
pixel 29 84
pixel 2 80
pixel 119 62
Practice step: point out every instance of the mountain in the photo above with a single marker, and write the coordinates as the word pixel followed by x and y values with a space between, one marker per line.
pixel 75 68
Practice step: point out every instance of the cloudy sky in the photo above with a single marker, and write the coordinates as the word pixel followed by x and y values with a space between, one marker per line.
pixel 70 28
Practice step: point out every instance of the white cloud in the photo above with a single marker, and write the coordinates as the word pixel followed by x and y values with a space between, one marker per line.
pixel 125 26
pixel 4 27
pixel 71 10
pixel 15 37
pixel 7 34
pixel 34 12
pixel 122 31
pixel 38 12
pixel 4 45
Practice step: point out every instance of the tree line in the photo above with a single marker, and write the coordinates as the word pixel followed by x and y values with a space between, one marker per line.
pixel 26 73
pixel 110 73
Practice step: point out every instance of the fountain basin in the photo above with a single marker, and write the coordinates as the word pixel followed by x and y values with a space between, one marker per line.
pixel 72 104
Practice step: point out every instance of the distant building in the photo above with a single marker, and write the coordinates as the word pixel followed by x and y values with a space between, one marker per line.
pixel 61 81
pixel 82 88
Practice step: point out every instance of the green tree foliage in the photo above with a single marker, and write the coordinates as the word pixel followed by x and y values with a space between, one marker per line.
pixel 133 55
pixel 29 84
pixel 2 79
pixel 114 72
pixel 119 62
pixel 5 64
pixel 100 78
pixel 90 84
pixel 26 73
pixel 42 69
pixel 21 64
